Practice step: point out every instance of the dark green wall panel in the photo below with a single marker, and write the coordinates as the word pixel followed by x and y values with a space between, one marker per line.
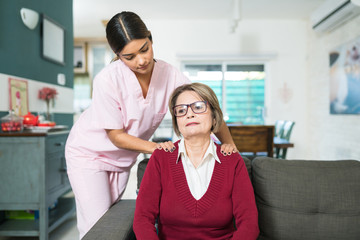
pixel 20 47
pixel 64 119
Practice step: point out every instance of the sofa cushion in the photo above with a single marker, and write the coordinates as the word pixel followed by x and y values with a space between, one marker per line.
pixel 141 170
pixel 247 162
pixel 300 199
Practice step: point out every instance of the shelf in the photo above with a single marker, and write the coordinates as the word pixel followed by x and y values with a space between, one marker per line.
pixel 19 228
pixel 64 210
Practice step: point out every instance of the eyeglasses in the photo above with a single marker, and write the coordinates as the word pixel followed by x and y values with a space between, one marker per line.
pixel 197 107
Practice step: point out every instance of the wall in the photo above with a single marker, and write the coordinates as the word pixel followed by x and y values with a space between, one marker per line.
pixel 334 136
pixel 283 44
pixel 21 55
pixel 297 85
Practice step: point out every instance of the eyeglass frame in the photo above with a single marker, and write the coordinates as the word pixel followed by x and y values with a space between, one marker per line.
pixel 187 108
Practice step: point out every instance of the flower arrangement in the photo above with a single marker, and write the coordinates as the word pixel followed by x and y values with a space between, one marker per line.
pixel 47 94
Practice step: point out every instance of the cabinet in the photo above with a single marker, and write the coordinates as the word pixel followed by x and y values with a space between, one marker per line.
pixel 33 177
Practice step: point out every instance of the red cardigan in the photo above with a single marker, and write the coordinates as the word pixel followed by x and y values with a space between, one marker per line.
pixel 164 194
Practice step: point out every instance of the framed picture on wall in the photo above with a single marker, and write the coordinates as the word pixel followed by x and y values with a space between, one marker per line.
pixel 345 78
pixel 18 94
pixel 53 41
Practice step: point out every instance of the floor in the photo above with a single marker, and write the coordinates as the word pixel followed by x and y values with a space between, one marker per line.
pixel 68 230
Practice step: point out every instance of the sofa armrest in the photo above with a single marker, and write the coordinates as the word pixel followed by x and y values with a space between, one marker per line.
pixel 115 224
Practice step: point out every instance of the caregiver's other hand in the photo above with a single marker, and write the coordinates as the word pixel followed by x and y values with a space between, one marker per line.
pixel 166 146
pixel 228 149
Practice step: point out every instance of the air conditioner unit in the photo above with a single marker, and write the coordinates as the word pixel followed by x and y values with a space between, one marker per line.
pixel 333 13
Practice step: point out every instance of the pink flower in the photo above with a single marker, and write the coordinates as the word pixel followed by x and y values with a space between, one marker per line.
pixel 47 93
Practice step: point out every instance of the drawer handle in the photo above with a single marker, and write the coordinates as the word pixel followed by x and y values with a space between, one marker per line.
pixel 59 144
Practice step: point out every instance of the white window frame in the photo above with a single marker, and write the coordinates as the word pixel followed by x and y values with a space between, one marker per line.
pixel 224 61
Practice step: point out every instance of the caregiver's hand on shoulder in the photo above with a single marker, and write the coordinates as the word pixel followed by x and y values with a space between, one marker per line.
pixel 228 149
pixel 166 146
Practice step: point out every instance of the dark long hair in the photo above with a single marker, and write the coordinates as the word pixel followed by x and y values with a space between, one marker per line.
pixel 124 27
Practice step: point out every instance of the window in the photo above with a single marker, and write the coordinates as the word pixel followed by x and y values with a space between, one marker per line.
pixel 239 88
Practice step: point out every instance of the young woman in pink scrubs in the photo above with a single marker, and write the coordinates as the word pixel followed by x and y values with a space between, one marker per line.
pixel 130 99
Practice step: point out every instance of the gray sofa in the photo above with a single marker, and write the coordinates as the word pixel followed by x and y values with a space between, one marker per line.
pixel 296 199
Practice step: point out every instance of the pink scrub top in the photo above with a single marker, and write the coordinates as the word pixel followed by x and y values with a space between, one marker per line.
pixel 118 103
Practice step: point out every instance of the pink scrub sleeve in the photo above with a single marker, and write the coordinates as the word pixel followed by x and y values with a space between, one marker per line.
pixel 106 112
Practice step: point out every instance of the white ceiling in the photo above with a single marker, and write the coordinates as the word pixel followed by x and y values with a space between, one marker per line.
pixel 89 13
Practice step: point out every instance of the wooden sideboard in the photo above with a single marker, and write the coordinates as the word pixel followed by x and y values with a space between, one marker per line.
pixel 33 177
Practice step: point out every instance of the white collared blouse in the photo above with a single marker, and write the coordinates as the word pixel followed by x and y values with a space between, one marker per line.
pixel 198 179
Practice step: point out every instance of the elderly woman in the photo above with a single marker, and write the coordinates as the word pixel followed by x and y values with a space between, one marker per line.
pixel 195 192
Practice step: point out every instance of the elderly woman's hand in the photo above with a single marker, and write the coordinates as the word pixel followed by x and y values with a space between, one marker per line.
pixel 227 149
pixel 166 146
